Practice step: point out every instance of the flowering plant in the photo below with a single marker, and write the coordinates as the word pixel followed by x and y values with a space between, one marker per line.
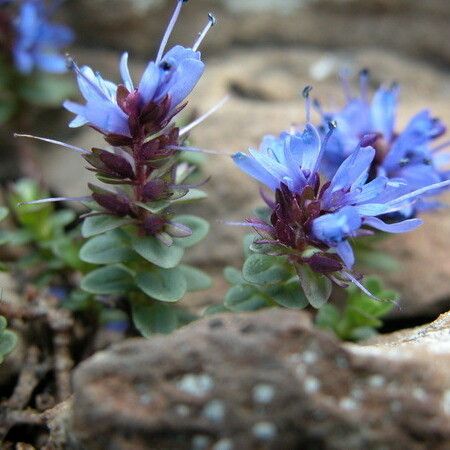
pixel 303 237
pixel 132 231
pixel 30 57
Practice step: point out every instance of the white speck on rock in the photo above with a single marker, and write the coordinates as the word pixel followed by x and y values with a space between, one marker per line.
pixel 348 404
pixel 309 357
pixel 446 402
pixel 223 444
pixel 200 442
pixel 376 381
pixel 311 385
pixel 264 431
pixel 341 362
pixel 419 394
pixel 182 410
pixel 196 385
pixel 263 393
pixel 214 411
pixel 145 399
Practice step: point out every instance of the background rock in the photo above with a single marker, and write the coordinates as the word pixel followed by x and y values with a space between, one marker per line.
pixel 266 380
pixel 412 26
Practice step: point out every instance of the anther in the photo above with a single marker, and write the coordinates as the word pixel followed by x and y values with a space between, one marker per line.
pixel 306 91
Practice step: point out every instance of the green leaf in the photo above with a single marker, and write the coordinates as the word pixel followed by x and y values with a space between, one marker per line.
pixel 46 90
pixel 361 333
pixel 233 276
pixel 192 195
pixel 113 280
pixel 328 317
pixel 317 288
pixel 151 318
pixel 199 227
pixel 215 309
pixel 247 242
pixel 165 285
pixel 263 269
pixel 156 252
pixel 8 341
pixel 3 213
pixel 244 298
pixel 290 295
pixel 196 279
pixel 108 248
pixel 154 207
pixel 61 219
pixel 100 224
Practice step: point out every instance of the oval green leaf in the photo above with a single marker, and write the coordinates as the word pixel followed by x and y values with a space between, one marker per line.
pixel 156 252
pixel 199 227
pixel 107 248
pixel 113 280
pixel 165 285
pixel 263 269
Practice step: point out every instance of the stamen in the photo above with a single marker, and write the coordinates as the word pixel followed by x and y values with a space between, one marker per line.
pixel 52 141
pixel 169 29
pixel 198 150
pixel 360 285
pixel 305 93
pixel 72 65
pixel 344 76
pixel 441 146
pixel 211 22
pixel 318 107
pixel 364 84
pixel 56 199
pixel 202 118
pixel 418 192
pixel 332 125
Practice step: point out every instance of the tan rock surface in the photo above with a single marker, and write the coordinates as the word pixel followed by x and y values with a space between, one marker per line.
pixel 266 380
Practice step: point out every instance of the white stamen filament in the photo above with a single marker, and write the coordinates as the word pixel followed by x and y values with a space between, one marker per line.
pixel 441 146
pixel 52 141
pixel 56 199
pixel 198 150
pixel 73 66
pixel 169 30
pixel 202 118
pixel 211 22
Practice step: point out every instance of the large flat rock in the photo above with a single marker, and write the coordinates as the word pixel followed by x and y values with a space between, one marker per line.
pixel 267 380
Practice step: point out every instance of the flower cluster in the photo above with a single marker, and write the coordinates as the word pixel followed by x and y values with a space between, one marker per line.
pixel 32 40
pixel 313 217
pixel 137 121
pixel 408 155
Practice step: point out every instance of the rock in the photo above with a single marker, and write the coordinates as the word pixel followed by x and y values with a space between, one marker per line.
pixel 266 380
pixel 325 23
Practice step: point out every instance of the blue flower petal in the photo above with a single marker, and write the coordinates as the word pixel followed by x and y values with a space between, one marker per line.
pixel 399 227
pixel 383 108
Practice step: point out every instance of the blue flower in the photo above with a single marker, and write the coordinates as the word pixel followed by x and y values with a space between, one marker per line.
pixel 407 156
pixel 165 84
pixel 321 214
pixel 39 41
